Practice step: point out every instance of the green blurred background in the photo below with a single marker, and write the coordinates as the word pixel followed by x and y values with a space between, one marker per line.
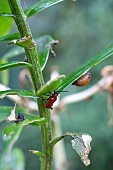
pixel 83 28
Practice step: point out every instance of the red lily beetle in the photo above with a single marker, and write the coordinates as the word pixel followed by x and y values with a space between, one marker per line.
pixel 83 80
pixel 51 100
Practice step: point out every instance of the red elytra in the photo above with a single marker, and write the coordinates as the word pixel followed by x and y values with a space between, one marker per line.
pixel 51 100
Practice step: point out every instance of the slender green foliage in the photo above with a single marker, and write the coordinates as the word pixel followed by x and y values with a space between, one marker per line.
pixel 37 53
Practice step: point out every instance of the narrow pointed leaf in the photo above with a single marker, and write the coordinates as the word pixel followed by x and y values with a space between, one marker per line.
pixel 29 120
pixel 39 6
pixel 5 77
pixel 14 64
pixel 10 37
pixel 5 74
pixel 40 154
pixel 32 120
pixel 21 93
pixel 4 14
pixel 50 86
pixel 87 66
pixel 43 48
pixel 11 129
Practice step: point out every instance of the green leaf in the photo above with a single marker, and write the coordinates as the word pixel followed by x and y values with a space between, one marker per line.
pixel 8 131
pixel 16 134
pixel 40 154
pixel 5 77
pixel 5 112
pixel 43 47
pixel 50 86
pixel 39 6
pixel 5 22
pixel 11 134
pixel 4 74
pixel 21 93
pixel 4 14
pixel 14 64
pixel 7 152
pixel 87 66
pixel 29 120
pixel 10 37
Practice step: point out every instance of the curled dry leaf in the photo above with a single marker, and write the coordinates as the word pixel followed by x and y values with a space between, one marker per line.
pixel 81 143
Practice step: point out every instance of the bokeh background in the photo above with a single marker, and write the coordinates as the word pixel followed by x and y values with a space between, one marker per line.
pixel 83 28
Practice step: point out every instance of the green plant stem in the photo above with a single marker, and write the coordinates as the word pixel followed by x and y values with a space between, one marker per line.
pixel 37 78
